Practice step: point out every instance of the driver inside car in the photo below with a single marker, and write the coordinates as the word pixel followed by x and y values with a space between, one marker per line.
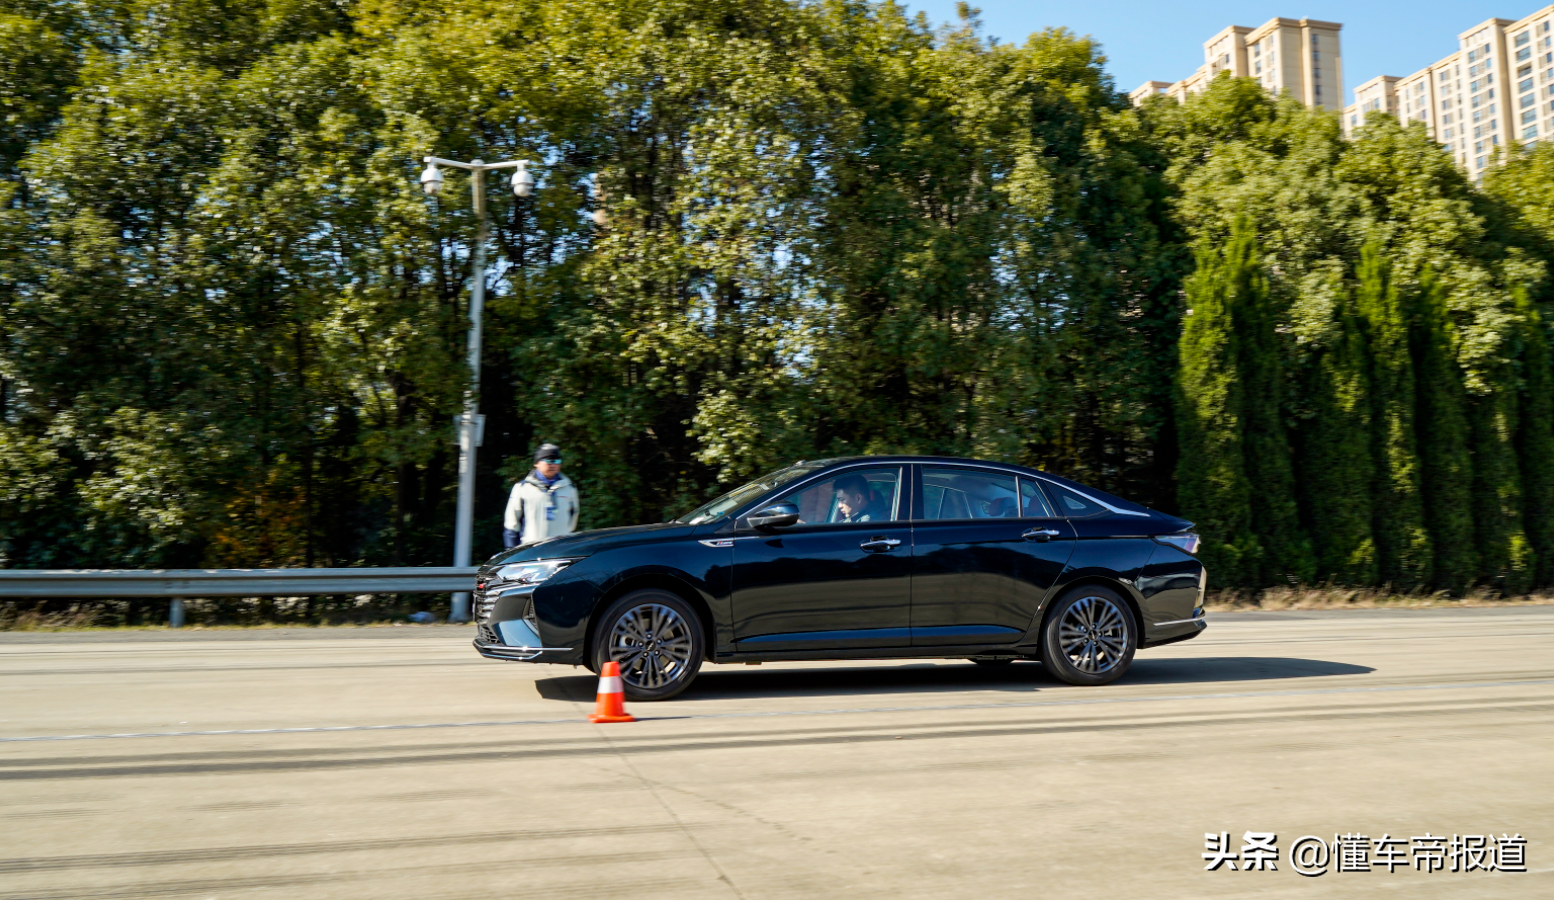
pixel 855 502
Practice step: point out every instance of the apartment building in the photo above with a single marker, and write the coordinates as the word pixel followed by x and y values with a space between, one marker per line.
pixel 1497 87
pixel 1302 56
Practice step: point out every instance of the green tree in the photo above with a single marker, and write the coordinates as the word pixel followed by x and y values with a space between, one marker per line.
pixel 1335 457
pixel 1445 452
pixel 1535 442
pixel 1212 479
pixel 1402 541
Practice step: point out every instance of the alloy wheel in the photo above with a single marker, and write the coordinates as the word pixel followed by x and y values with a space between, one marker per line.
pixel 653 645
pixel 1093 634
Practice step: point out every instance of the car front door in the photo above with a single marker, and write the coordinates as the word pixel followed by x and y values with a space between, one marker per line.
pixel 840 578
pixel 986 549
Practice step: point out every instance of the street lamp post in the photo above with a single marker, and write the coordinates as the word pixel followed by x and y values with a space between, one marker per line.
pixel 470 422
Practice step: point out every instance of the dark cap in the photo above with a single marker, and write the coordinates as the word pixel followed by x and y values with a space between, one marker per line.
pixel 547 451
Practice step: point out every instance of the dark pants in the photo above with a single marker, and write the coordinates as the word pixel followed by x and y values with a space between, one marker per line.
pixel 510 538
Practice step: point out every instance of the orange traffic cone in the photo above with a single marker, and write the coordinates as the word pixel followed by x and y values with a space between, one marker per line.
pixel 611 705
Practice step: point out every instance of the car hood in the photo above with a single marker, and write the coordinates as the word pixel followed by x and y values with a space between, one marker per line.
pixel 586 543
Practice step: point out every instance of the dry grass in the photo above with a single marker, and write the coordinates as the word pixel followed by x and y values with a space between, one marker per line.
pixel 1358 598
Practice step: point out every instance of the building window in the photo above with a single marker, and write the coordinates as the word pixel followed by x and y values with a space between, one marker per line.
pixel 1478 147
pixel 1524 71
pixel 1316 73
pixel 1531 132
pixel 1478 131
pixel 1524 53
pixel 1522 38
pixel 1528 100
pixel 1481 162
pixel 1257 49
pixel 1525 86
pixel 1530 115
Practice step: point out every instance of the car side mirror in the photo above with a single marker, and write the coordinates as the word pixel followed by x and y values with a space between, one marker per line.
pixel 777 515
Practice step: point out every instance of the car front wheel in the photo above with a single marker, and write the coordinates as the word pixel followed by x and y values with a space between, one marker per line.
pixel 656 637
pixel 1090 637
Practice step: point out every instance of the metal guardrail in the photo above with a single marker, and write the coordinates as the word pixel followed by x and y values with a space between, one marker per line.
pixel 119 583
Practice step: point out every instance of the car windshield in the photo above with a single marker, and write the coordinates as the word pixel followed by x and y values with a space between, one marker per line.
pixel 742 495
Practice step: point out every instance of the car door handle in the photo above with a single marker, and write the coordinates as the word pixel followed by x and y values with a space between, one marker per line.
pixel 1041 534
pixel 880 545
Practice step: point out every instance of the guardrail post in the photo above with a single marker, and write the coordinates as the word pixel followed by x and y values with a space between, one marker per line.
pixel 175 613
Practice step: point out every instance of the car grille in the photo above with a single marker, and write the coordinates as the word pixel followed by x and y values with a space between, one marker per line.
pixel 484 603
pixel 487 634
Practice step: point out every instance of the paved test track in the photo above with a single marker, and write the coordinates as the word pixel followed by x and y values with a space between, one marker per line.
pixel 394 763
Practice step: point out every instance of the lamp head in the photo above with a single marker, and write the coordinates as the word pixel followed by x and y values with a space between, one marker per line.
pixel 431 180
pixel 523 182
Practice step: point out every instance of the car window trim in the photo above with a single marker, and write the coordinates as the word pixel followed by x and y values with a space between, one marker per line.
pixel 1036 476
pixel 916 509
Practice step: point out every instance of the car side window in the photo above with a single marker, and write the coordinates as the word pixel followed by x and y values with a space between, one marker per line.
pixel 1033 504
pixel 968 494
pixel 853 496
pixel 1072 505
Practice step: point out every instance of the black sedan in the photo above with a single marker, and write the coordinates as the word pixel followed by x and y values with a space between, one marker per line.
pixel 880 557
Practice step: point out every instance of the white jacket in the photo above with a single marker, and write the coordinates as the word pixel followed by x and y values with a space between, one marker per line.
pixel 537 511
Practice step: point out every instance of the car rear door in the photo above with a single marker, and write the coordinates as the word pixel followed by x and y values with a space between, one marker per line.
pixel 986 549
pixel 827 584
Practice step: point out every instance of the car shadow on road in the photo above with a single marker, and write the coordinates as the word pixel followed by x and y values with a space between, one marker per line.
pixel 722 683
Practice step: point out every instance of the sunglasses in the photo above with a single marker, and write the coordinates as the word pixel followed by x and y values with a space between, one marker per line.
pixel 553 462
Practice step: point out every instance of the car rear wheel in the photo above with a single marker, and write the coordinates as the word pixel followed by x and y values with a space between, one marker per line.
pixel 656 637
pixel 1089 637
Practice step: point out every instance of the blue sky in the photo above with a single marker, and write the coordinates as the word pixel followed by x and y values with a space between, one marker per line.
pixel 1164 41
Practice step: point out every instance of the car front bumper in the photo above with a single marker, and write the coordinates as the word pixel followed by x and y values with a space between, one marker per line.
pixel 515 641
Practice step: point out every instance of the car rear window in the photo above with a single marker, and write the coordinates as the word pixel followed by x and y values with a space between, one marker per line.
pixel 1071 504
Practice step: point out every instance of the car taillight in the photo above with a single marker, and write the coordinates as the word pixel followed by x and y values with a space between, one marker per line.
pixel 1185 541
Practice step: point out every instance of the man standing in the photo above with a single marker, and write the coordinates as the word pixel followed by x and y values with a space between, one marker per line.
pixel 543 504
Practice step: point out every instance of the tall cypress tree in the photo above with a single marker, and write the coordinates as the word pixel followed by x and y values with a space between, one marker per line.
pixel 1235 475
pixel 1444 454
pixel 1336 464
pixel 1275 515
pixel 1402 542
pixel 1536 439
pixel 1504 557
pixel 1212 484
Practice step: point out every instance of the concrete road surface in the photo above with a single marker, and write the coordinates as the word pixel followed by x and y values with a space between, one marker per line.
pixel 395 763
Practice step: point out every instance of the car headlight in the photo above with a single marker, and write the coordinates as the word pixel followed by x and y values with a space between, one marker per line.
pixel 1185 541
pixel 527 572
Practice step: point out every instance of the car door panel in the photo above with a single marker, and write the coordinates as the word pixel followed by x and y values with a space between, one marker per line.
pixel 980 580
pixel 826 584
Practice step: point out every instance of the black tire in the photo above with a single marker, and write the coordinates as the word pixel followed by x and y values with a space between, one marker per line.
pixel 1089 637
pixel 992 662
pixel 655 665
